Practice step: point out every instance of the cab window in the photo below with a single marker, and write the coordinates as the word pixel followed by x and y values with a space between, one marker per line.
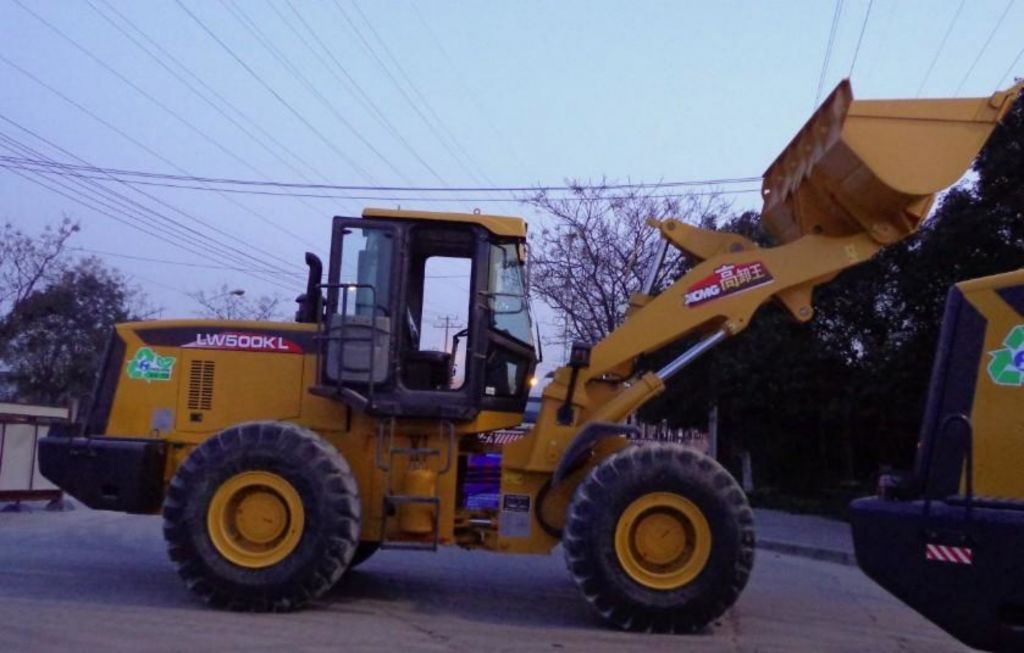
pixel 366 264
pixel 509 306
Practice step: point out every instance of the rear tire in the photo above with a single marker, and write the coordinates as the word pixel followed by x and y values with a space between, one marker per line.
pixel 659 538
pixel 263 516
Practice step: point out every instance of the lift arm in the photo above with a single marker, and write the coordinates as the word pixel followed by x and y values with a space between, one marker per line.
pixel 860 175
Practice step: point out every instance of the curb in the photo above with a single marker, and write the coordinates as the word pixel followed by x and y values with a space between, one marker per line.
pixel 814 553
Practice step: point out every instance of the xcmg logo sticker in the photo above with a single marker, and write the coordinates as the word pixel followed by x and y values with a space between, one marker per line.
pixel 244 342
pixel 1007 364
pixel 147 365
pixel 727 280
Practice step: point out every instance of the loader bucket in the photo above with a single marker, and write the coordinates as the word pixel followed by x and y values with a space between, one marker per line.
pixel 874 165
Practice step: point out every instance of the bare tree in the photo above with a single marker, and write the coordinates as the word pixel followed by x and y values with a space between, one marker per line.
pixel 600 248
pixel 228 304
pixel 30 262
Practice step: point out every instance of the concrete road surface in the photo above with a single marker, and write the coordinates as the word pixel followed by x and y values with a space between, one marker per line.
pixel 94 581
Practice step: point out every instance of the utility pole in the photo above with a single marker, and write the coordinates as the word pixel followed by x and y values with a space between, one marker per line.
pixel 446 322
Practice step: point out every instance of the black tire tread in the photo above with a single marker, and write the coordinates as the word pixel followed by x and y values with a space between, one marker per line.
pixel 592 497
pixel 337 539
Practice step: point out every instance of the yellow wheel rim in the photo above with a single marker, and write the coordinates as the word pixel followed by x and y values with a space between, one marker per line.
pixel 663 540
pixel 255 519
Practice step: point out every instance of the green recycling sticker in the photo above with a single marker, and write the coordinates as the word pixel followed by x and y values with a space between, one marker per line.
pixel 148 365
pixel 1007 365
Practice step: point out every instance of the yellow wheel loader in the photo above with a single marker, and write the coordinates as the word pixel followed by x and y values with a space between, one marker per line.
pixel 282 454
pixel 947 537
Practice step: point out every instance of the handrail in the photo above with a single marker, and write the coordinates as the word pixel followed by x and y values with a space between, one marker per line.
pixel 341 337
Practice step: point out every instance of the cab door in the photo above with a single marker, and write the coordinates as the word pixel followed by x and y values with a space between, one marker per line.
pixel 359 323
pixel 509 356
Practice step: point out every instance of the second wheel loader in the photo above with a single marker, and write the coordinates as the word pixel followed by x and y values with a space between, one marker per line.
pixel 282 454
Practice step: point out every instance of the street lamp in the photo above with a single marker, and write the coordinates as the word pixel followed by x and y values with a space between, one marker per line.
pixel 237 292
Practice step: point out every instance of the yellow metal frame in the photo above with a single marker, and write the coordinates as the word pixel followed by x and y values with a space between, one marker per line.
pixel 499 225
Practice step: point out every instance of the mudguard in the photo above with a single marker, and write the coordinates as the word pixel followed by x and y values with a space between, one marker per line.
pixel 588 436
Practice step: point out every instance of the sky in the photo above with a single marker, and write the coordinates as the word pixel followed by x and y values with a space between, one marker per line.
pixel 428 94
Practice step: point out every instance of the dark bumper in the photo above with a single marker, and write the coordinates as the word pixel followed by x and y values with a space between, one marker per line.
pixel 122 474
pixel 981 603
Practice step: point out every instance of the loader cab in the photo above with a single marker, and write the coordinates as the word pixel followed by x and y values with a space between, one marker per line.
pixel 426 315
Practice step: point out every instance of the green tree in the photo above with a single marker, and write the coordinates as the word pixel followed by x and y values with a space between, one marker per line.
pixel 53 338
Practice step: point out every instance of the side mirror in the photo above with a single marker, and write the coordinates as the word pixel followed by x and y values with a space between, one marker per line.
pixel 579 355
pixel 300 312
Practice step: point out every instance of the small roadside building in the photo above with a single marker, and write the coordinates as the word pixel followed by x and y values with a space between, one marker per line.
pixel 21 427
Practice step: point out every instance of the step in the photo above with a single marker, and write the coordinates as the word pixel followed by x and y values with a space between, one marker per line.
pixel 401 545
pixel 412 499
pixel 416 451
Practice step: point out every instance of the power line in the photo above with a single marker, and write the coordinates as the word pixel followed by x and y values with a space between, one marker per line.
pixel 883 25
pixel 419 189
pixel 186 264
pixel 942 45
pixel 11 162
pixel 91 197
pixel 138 89
pixel 77 197
pixel 161 62
pixel 127 137
pixel 163 285
pixel 860 38
pixel 330 144
pixel 413 104
pixel 172 227
pixel 995 28
pixel 1012 66
pixel 165 55
pixel 419 94
pixel 468 92
pixel 229 249
pixel 828 49
pixel 254 30
pixel 48 162
pixel 359 93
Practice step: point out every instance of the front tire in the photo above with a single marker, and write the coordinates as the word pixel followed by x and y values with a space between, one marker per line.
pixel 263 516
pixel 659 538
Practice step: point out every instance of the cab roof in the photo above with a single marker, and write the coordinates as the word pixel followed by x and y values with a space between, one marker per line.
pixel 499 225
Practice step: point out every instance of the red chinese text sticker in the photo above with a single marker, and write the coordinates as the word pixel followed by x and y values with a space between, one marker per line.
pixel 727 280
